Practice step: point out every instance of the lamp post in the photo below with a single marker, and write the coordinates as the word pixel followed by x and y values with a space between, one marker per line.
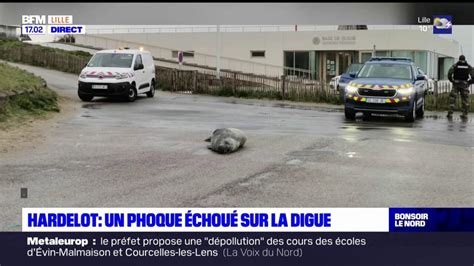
pixel 218 52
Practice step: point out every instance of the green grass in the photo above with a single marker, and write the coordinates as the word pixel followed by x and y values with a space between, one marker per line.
pixel 12 78
pixel 16 109
pixel 11 43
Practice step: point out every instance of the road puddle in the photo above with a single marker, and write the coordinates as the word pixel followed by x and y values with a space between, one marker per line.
pixel 363 128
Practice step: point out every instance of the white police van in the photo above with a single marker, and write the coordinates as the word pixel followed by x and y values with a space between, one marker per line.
pixel 121 72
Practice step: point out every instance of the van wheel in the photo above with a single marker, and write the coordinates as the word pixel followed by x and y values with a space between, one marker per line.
pixel 85 97
pixel 421 111
pixel 350 114
pixel 151 92
pixel 132 94
pixel 410 117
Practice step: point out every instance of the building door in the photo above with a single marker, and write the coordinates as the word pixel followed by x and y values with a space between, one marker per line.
pixel 329 64
pixel 440 68
pixel 344 59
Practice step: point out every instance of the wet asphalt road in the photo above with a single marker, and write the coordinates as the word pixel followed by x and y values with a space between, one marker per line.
pixel 151 153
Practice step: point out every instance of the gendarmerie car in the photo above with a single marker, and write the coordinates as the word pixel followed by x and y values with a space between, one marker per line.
pixel 387 85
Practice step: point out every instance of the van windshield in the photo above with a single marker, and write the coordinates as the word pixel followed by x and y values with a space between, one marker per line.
pixel 393 71
pixel 111 60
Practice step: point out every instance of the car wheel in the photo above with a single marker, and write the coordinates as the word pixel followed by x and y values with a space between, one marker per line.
pixel 410 117
pixel 132 94
pixel 349 113
pixel 151 92
pixel 85 97
pixel 421 111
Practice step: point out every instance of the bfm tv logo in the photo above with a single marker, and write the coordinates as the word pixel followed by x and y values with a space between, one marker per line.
pixel 57 24
pixel 442 24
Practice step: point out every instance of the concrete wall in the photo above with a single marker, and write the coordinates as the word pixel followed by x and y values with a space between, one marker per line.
pixel 10 31
pixel 236 46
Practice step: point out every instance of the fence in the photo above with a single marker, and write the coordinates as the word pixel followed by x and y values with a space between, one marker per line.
pixel 438 95
pixel 230 83
pixel 238 84
pixel 278 87
pixel 44 57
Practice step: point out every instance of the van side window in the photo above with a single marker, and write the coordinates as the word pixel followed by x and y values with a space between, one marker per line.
pixel 138 60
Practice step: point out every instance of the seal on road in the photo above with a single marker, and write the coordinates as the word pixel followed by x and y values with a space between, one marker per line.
pixel 226 140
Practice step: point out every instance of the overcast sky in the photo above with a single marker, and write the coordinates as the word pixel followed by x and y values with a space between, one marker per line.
pixel 465 36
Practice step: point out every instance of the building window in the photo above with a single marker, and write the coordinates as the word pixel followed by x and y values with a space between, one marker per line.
pixel 174 54
pixel 138 61
pixel 257 53
pixel 352 27
pixel 421 60
pixel 365 56
pixel 382 53
pixel 444 63
pixel 300 64
pixel 400 53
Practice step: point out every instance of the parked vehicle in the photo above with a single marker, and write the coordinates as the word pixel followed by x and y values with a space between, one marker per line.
pixel 346 76
pixel 340 82
pixel 334 82
pixel 121 72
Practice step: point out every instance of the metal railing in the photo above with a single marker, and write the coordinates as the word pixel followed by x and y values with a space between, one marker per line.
pixel 205 28
pixel 103 29
pixel 443 86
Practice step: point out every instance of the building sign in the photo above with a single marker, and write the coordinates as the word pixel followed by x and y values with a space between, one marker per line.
pixel 331 67
pixel 334 40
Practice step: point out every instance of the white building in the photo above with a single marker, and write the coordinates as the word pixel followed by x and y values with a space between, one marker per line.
pixel 10 31
pixel 319 55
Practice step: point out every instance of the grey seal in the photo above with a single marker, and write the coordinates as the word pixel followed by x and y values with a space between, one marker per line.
pixel 226 140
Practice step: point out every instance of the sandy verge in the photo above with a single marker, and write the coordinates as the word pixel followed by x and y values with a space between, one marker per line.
pixel 33 131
